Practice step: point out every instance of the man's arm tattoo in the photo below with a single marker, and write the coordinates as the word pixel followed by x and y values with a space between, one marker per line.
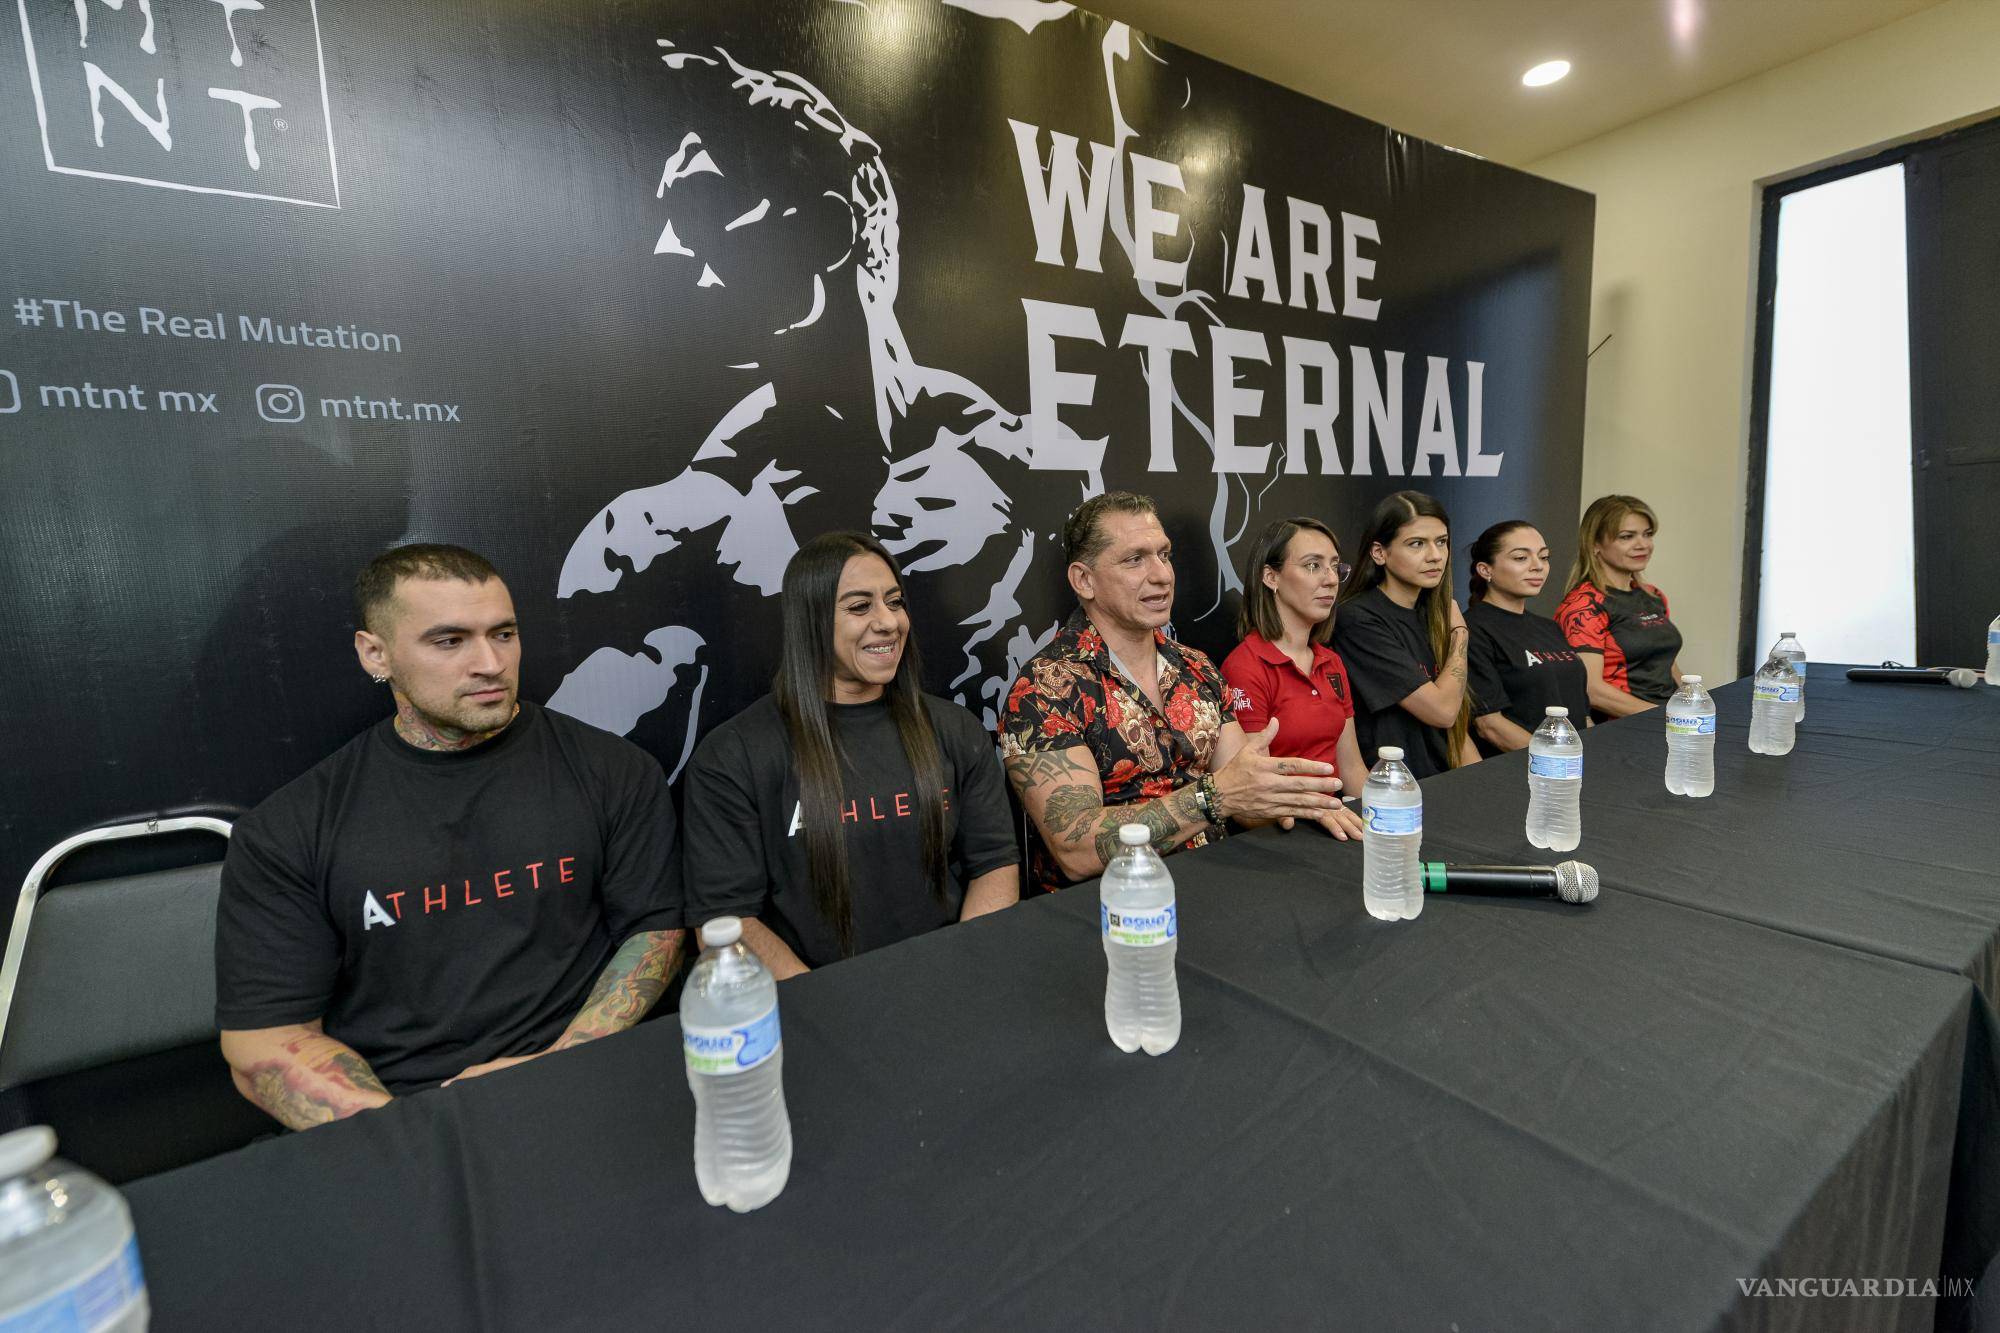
pixel 310 1090
pixel 1067 812
pixel 627 989
pixel 1164 817
pixel 1039 766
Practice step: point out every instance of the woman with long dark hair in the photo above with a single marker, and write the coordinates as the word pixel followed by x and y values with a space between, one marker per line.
pixel 1284 669
pixel 1621 627
pixel 1403 640
pixel 1519 664
pixel 846 809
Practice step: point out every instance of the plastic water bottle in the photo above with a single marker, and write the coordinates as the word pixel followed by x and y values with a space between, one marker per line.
pixel 1993 652
pixel 735 1067
pixel 1555 783
pixel 1788 648
pixel 1141 928
pixel 1773 700
pixel 1392 805
pixel 1691 740
pixel 67 1256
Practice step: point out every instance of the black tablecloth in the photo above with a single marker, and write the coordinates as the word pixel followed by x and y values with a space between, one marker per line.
pixel 1879 831
pixel 1501 1115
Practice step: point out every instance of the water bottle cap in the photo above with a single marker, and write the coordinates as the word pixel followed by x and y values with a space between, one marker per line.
pixel 1557 710
pixel 1787 634
pixel 1390 752
pixel 25 1149
pixel 1134 835
pixel 1690 680
pixel 723 930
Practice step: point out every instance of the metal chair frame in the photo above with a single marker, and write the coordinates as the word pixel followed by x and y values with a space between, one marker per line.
pixel 31 887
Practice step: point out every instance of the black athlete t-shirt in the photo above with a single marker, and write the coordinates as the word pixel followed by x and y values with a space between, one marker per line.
pixel 1519 665
pixel 1386 649
pixel 439 910
pixel 746 853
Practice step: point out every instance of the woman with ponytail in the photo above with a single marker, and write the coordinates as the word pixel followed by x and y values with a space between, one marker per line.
pixel 1402 639
pixel 846 809
pixel 1519 662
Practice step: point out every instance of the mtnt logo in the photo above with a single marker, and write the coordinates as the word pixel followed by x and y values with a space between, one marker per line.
pixel 221 97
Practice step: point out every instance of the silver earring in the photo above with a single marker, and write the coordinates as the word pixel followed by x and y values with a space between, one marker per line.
pixel 380 680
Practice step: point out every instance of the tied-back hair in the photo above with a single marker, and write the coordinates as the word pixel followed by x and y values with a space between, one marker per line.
pixel 1391 516
pixel 1259 611
pixel 802 688
pixel 1599 522
pixel 1485 550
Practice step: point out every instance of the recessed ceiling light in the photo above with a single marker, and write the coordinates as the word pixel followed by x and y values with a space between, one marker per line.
pixel 1545 73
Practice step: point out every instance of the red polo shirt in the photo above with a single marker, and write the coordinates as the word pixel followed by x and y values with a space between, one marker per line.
pixel 1312 708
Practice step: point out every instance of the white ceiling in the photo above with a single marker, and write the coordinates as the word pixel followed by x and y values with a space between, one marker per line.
pixel 1450 70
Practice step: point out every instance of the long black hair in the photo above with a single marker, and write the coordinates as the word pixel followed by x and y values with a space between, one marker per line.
pixel 1391 516
pixel 802 687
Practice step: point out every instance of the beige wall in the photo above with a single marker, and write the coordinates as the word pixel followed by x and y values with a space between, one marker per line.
pixel 1674 281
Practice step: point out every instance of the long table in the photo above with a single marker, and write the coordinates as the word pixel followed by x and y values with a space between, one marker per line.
pixel 1504 1114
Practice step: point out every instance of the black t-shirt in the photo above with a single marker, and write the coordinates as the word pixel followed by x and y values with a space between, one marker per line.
pixel 746 853
pixel 438 910
pixel 1386 649
pixel 1519 665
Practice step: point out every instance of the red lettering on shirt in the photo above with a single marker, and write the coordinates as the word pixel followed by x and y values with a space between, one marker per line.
pixel 873 813
pixel 944 794
pixel 563 873
pixel 501 883
pixel 396 901
pixel 849 813
pixel 902 805
pixel 535 869
pixel 443 899
pixel 469 899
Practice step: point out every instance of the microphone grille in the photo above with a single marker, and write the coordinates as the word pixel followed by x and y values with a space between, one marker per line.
pixel 1962 677
pixel 1576 882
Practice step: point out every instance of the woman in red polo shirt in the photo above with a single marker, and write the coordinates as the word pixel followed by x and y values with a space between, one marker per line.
pixel 1284 669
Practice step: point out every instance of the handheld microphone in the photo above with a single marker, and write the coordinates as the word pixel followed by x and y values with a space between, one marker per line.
pixel 1962 677
pixel 1572 881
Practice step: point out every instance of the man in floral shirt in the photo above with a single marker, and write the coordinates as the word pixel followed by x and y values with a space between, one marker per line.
pixel 1114 723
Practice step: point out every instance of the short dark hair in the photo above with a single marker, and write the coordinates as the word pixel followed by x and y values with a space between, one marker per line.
pixel 1260 604
pixel 375 586
pixel 1083 535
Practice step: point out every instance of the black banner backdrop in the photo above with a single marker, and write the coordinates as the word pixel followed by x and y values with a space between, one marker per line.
pixel 633 297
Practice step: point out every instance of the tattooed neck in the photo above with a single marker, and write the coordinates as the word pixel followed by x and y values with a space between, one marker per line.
pixel 420 732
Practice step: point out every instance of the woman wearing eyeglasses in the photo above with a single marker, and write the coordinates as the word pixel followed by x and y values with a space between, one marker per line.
pixel 1284 671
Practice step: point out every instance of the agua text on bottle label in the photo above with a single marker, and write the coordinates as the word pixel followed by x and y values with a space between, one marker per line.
pixel 1140 930
pixel 731 1050
pixel 1555 765
pixel 1393 818
pixel 1690 724
pixel 1784 694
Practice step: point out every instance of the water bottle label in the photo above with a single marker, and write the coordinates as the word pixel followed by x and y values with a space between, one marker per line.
pixel 95 1301
pixel 1556 765
pixel 1690 724
pixel 731 1050
pixel 1394 818
pixel 1993 638
pixel 1776 693
pixel 1140 930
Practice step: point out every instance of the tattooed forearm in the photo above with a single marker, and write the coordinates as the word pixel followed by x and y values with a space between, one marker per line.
pixel 1171 819
pixel 1067 812
pixel 630 985
pixel 307 1079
